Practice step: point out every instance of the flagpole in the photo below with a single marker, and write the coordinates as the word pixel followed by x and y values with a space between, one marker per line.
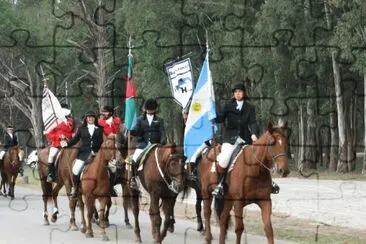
pixel 212 121
pixel 129 133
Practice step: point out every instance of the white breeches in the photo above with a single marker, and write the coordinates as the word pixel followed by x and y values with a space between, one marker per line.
pixel 2 153
pixel 78 165
pixel 197 153
pixel 136 154
pixel 52 154
pixel 227 150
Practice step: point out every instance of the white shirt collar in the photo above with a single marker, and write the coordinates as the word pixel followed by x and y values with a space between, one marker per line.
pixel 109 120
pixel 239 104
pixel 150 118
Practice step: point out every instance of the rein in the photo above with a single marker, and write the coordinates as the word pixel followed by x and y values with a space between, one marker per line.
pixel 172 186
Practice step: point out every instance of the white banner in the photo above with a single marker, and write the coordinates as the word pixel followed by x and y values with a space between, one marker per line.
pixel 51 111
pixel 181 81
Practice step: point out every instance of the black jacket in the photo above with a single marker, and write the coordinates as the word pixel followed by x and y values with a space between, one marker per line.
pixel 88 143
pixel 238 122
pixel 9 142
pixel 145 133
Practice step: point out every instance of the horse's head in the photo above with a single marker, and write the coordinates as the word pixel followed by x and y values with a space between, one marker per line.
pixel 278 147
pixel 175 165
pixel 16 154
pixel 110 149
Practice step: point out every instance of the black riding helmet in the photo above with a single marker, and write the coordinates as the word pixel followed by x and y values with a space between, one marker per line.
pixel 108 109
pixel 239 86
pixel 151 104
pixel 90 113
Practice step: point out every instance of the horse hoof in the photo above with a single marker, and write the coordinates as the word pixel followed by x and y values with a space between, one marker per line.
pixel 128 226
pixel 83 229
pixel 105 238
pixel 89 235
pixel 200 227
pixel 54 219
pixel 46 222
pixel 74 228
pixel 171 229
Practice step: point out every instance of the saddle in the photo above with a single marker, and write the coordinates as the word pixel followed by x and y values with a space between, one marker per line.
pixel 142 157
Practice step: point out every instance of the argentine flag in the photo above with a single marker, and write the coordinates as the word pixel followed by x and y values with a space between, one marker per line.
pixel 202 110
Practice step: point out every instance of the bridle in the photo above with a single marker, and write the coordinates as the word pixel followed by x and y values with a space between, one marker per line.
pixel 174 181
pixel 269 149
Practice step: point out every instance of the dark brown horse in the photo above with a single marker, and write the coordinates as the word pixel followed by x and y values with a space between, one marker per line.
pixel 64 178
pixel 95 184
pixel 10 168
pixel 250 180
pixel 163 178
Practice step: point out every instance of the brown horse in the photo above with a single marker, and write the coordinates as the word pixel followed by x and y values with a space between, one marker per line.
pixel 250 180
pixel 64 178
pixel 95 184
pixel 163 178
pixel 10 168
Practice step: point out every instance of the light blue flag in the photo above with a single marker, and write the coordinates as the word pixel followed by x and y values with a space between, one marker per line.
pixel 201 112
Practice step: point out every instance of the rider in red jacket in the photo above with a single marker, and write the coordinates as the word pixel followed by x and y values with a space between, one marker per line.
pixel 111 126
pixel 63 132
pixel 109 122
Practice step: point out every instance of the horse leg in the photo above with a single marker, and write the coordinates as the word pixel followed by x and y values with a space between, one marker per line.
pixel 47 192
pixel 108 205
pixel 55 192
pixel 82 215
pixel 126 198
pixel 155 217
pixel 239 225
pixel 95 218
pixel 207 215
pixel 89 202
pixel 198 209
pixel 136 209
pixel 224 220
pixel 103 201
pixel 266 207
pixel 166 202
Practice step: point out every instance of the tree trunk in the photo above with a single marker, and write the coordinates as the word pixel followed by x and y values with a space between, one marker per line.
pixel 364 126
pixel 300 159
pixel 310 143
pixel 333 154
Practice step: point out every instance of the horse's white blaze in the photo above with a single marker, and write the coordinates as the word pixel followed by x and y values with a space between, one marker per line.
pixel 21 155
pixel 280 142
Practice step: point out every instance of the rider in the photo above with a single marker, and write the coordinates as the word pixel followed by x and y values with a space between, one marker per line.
pixel 149 129
pixel 111 126
pixel 10 139
pixel 58 136
pixel 241 127
pixel 91 137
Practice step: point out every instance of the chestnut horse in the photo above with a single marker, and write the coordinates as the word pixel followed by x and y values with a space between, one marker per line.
pixel 250 180
pixel 95 184
pixel 163 178
pixel 63 178
pixel 10 168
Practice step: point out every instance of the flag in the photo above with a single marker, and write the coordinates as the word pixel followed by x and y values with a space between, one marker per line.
pixel 201 112
pixel 130 105
pixel 52 113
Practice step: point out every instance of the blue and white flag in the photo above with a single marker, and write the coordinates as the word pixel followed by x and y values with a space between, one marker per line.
pixel 201 112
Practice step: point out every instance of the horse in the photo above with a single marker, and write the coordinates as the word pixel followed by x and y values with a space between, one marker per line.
pixel 250 180
pixel 95 184
pixel 64 178
pixel 10 168
pixel 163 178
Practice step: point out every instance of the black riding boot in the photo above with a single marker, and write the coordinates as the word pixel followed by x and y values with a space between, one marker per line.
pixel 275 188
pixel 76 181
pixel 112 191
pixel 51 173
pixel 219 190
pixel 134 184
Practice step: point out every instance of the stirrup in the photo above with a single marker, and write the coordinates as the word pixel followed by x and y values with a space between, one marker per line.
pixel 134 184
pixel 275 188
pixel 50 178
pixel 219 191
